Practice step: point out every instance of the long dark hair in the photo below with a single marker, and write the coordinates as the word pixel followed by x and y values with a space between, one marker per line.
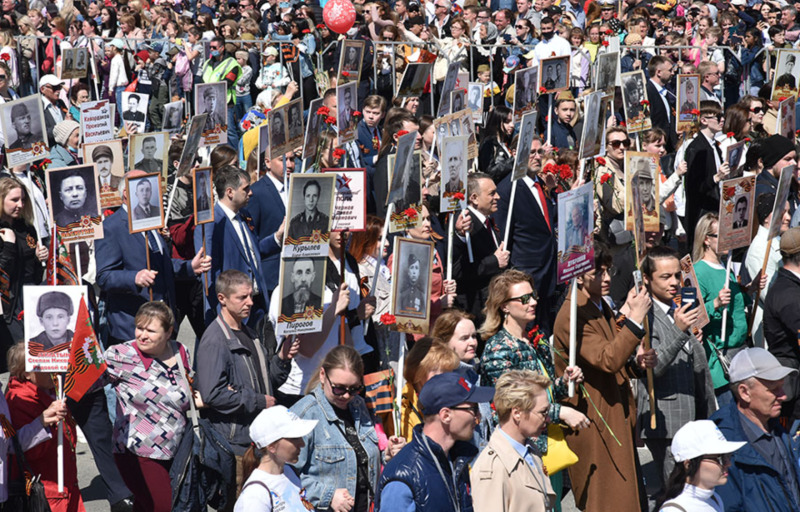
pixel 112 21
pixel 681 474
pixel 494 125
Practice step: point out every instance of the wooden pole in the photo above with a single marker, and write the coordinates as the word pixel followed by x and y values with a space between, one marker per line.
pixel 450 229
pixel 205 274
pixel 343 317
pixel 147 252
pixel 573 328
pixel 510 212
pixel 726 287
pixel 651 393
pixel 549 117
pixel 752 318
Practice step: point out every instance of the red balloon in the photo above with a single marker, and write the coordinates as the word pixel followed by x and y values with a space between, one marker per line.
pixel 339 15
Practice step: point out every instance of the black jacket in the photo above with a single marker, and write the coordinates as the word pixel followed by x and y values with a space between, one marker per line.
pixel 702 193
pixel 473 278
pixel 658 114
pixel 493 160
pixel 782 316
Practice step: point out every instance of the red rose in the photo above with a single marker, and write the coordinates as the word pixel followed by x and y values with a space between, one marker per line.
pixel 411 213
pixel 323 111
pixel 605 43
pixel 694 112
pixel 356 113
pixel 338 153
pixel 459 196
pixel 601 160
pixel 330 120
pixel 549 168
pixel 6 57
pixel 542 90
pixel 388 319
pixel 401 133
pixel 604 178
pixel 306 31
pixel 730 134
pixel 345 73
pixel 747 139
pixel 645 103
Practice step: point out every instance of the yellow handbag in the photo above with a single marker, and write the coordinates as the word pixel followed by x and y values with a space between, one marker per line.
pixel 559 455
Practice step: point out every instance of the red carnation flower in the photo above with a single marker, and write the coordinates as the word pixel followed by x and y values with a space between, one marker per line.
pixel 781 98
pixel 320 26
pixel 411 213
pixel 542 90
pixel 564 172
pixel 330 120
pixel 47 161
pixel 605 43
pixel 323 111
pixel 246 125
pixel 306 31
pixel 645 103
pixel 338 153
pixel 106 213
pixel 601 160
pixel 623 123
pixel 604 178
pixel 549 168
pixel 345 73
pixel 401 133
pixel 388 319
pixel 6 57
pixel 535 336
pixel 730 134
pixel 609 31
pixel 356 113
pixel 21 314
pixel 459 196
pixel 694 112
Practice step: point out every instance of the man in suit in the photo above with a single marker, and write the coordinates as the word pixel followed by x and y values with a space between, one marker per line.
pixel 232 243
pixel 741 220
pixel 122 272
pixel 21 121
pixel 368 138
pixel 215 117
pixel 533 242
pixel 132 113
pixel 144 209
pixel 346 110
pixel 149 163
pixel 662 101
pixel 50 87
pixel 302 277
pixel 268 209
pixel 277 131
pixel 681 375
pixel 709 80
pixel 489 257
pixel 103 158
pixel 305 223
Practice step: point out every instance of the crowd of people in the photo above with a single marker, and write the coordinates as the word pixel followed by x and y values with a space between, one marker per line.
pixel 492 415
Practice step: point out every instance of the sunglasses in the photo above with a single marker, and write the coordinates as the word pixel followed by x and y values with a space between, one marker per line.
pixel 719 460
pixel 618 143
pixel 520 26
pixel 718 117
pixel 342 390
pixel 3 77
pixel 757 110
pixel 473 409
pixel 712 235
pixel 524 299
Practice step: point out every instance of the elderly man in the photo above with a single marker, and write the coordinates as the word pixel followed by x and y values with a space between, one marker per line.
pixel 302 278
pixel 50 88
pixel 763 474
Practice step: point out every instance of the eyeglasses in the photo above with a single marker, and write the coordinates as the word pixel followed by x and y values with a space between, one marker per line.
pixel 524 299
pixel 618 143
pixel 712 235
pixel 719 460
pixel 545 415
pixel 718 117
pixel 757 110
pixel 473 409
pixel 3 77
pixel 342 390
pixel 521 26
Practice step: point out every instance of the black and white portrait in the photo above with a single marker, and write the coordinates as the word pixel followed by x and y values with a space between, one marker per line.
pixel 411 278
pixel 475 100
pixel 203 196
pixel 302 295
pixel 295 119
pixel 144 203
pixel 277 131
pixel 787 75
pixel 526 134
pixel 193 137
pixel 740 212
pixel 350 61
pixel 74 63
pixel 454 172
pixel 634 96
pixel 108 158
pixel 457 100
pixel 688 96
pixel 311 199
pixel 448 86
pixel 455 127
pixel 347 103
pixel 313 129
pixel 404 190
pixel 24 130
pixel 733 155
pixel 173 117
pixel 593 124
pixel 606 72
pixel 412 85
pixel 211 99
pixel 525 90
pixel 50 325
pixel 148 152
pixel 554 73
pixel 134 110
pixel 263 149
pixel 75 202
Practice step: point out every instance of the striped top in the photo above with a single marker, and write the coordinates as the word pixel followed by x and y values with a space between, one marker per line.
pixel 151 402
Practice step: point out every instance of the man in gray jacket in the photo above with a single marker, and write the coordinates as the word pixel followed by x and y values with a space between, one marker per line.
pixel 232 374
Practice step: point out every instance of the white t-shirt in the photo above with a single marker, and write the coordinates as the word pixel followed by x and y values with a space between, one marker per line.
pixel 285 491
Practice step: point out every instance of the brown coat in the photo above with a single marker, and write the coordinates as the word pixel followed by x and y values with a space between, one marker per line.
pixel 503 482
pixel 605 468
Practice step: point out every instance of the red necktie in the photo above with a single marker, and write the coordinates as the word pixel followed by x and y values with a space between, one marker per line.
pixel 544 204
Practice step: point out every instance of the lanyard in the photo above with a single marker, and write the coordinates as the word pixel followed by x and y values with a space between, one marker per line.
pixel 453 497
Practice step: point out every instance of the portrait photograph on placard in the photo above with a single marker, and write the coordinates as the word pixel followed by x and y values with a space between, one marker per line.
pixel 51 313
pixel 263 149
pixel 734 155
pixel 134 111
pixel 173 117
pixel 145 208
pixel 634 99
pixel 107 156
pixel 787 75
pixel 736 208
pixel 302 293
pixel 350 59
pixel 210 99
pixel 575 232
pixel 468 130
pixel 458 100
pixel 412 84
pixel 203 184
pixel 527 132
pixel 347 103
pixel 310 208
pixel 454 174
pixel 405 191
pixel 193 136
pixel 411 284
pixel 593 125
pixel 475 101
pixel 688 100
pixel 294 115
pixel 525 91
pixel 448 86
pixel 639 231
pixel 74 63
pixel 786 116
pixel 645 169
pixel 781 196
pixel 350 203
pixel 149 152
pixel 689 280
pixel 606 72
pixel 313 130
pixel 278 137
pixel 25 130
pixel 97 121
pixel 75 202
pixel 554 74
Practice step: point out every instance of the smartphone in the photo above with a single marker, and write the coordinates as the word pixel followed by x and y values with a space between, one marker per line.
pixel 637 280
pixel 689 296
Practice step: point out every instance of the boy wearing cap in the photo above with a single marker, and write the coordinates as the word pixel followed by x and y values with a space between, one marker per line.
pixel 763 474
pixel 54 310
pixel 428 474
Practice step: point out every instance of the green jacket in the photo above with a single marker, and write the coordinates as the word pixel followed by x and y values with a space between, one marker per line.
pixel 214 71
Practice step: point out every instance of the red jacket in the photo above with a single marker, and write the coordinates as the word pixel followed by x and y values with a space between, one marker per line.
pixel 27 401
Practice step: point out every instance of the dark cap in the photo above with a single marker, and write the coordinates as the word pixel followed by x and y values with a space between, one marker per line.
pixel 102 151
pixel 764 204
pixel 449 390
pixel 57 300
pixel 790 241
pixel 415 20
pixel 779 146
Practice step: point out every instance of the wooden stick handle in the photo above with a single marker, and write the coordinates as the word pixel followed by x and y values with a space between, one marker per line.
pixel 147 252
pixel 650 389
pixel 343 317
pixel 205 274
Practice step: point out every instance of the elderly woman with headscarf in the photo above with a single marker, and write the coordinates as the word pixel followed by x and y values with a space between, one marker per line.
pixel 485 35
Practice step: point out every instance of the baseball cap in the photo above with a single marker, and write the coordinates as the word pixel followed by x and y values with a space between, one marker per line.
pixel 155 47
pixel 738 2
pixel 51 80
pixel 511 63
pixel 415 20
pixel 790 241
pixel 757 362
pixel 449 390
pixel 701 437
pixel 117 43
pixel 278 422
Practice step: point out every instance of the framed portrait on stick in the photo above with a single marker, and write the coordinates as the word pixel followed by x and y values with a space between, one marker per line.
pixel 554 74
pixel 688 101
pixel 51 315
pixel 302 292
pixel 454 174
pixel 347 119
pixel 193 137
pixel 639 234
pixel 575 232
pixel 149 152
pixel 525 91
pixel 593 125
pixel 524 141
pixel 350 59
pixel 313 130
pixel 634 100
pixel 689 280
pixel 203 184
pixel 411 284
pixel 294 120
pixel 145 208
pixel 736 207
pixel 733 155
pixel 210 99
pixel 405 187
pixel 97 121
pixel 606 78
pixel 75 202
pixel 786 118
pixel 415 76
pixel 107 156
pixel 278 132
pixel 350 204
pixel 134 113
pixel 645 169
pixel 25 130
pixel 781 196
pixel 310 208
pixel 787 75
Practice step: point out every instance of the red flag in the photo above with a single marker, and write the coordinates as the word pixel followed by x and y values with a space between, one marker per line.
pixel 59 268
pixel 86 363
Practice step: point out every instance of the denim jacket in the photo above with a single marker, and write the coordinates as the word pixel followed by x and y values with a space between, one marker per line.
pixel 327 462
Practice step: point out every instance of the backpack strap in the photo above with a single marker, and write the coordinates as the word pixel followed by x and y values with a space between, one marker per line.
pixel 269 493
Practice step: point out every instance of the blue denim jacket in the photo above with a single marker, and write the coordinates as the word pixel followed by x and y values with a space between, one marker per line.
pixel 327 462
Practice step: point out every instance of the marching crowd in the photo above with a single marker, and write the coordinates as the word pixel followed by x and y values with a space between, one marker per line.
pixel 492 415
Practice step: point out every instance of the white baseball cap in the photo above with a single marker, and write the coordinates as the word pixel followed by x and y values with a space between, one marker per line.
pixel 52 80
pixel 701 437
pixel 278 422
pixel 757 362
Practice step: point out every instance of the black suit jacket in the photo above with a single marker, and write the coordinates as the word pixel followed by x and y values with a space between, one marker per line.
pixel 702 193
pixel 473 278
pixel 266 207
pixel 658 114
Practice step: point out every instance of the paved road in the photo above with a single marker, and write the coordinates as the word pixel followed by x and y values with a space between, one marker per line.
pixel 94 492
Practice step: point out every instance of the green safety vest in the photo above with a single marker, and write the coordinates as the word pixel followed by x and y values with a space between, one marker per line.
pixel 217 74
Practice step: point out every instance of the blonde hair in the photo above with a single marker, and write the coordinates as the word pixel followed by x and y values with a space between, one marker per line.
pixel 517 388
pixel 425 357
pixel 15 357
pixel 498 295
pixel 340 357
pixel 700 234
pixel 447 322
pixel 9 183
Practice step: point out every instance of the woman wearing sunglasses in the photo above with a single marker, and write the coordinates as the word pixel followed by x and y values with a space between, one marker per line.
pixel 340 461
pixel 609 186
pixel 757 108
pixel 510 309
pixel 702 457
